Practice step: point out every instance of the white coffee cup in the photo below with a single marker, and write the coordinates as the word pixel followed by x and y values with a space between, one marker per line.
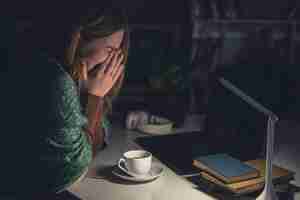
pixel 137 162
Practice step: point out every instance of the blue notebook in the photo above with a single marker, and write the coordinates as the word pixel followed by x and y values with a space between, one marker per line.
pixel 225 168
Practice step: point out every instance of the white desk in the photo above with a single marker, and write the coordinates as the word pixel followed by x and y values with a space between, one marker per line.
pixel 168 187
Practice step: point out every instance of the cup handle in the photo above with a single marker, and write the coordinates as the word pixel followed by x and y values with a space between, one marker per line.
pixel 122 160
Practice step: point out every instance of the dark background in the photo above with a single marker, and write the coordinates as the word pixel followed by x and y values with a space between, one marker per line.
pixel 254 43
pixel 200 35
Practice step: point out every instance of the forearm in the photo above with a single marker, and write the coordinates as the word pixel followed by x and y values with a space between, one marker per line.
pixel 94 110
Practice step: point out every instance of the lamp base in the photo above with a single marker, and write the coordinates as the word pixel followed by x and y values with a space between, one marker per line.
pixel 265 195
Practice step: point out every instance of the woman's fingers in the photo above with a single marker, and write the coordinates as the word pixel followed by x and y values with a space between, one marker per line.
pixel 107 62
pixel 113 63
pixel 84 72
pixel 106 66
pixel 118 64
pixel 100 68
pixel 120 58
pixel 105 75
pixel 118 73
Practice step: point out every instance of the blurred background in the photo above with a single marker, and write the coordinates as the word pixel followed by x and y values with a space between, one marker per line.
pixel 177 44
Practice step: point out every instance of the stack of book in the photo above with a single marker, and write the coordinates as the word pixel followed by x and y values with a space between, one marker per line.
pixel 238 177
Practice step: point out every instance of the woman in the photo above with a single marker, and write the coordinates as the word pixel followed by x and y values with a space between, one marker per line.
pixel 58 142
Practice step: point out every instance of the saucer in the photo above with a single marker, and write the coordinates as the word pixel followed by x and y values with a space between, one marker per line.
pixel 155 172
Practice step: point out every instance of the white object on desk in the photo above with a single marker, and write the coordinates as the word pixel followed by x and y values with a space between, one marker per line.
pixel 162 128
pixel 147 123
pixel 136 161
pixel 136 118
pixel 155 172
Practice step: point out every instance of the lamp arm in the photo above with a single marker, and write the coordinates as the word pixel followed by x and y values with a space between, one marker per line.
pixel 228 85
pixel 268 192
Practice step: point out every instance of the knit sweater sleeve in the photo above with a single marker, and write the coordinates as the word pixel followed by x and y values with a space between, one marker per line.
pixel 68 150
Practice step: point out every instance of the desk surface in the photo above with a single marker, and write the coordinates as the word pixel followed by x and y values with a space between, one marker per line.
pixel 108 187
pixel 170 185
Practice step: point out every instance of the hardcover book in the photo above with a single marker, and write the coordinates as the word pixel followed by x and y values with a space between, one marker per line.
pixel 226 168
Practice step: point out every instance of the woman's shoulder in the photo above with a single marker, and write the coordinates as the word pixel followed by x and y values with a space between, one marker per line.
pixel 44 74
pixel 51 70
pixel 51 65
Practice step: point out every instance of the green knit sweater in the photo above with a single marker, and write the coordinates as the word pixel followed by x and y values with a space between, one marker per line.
pixel 43 146
pixel 67 148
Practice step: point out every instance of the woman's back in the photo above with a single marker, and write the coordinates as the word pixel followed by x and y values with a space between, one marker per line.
pixel 42 139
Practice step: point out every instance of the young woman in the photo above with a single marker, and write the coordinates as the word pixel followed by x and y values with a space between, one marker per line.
pixel 56 105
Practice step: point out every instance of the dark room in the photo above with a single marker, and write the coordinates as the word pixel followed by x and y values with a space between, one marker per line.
pixel 150 100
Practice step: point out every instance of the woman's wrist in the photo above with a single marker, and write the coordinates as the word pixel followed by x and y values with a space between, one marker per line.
pixel 94 109
pixel 94 115
pixel 85 88
pixel 95 95
pixel 93 88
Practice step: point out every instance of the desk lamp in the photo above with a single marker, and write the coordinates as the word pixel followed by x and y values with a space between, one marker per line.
pixel 268 192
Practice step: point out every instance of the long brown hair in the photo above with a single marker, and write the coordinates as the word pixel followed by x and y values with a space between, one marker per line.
pixel 93 27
